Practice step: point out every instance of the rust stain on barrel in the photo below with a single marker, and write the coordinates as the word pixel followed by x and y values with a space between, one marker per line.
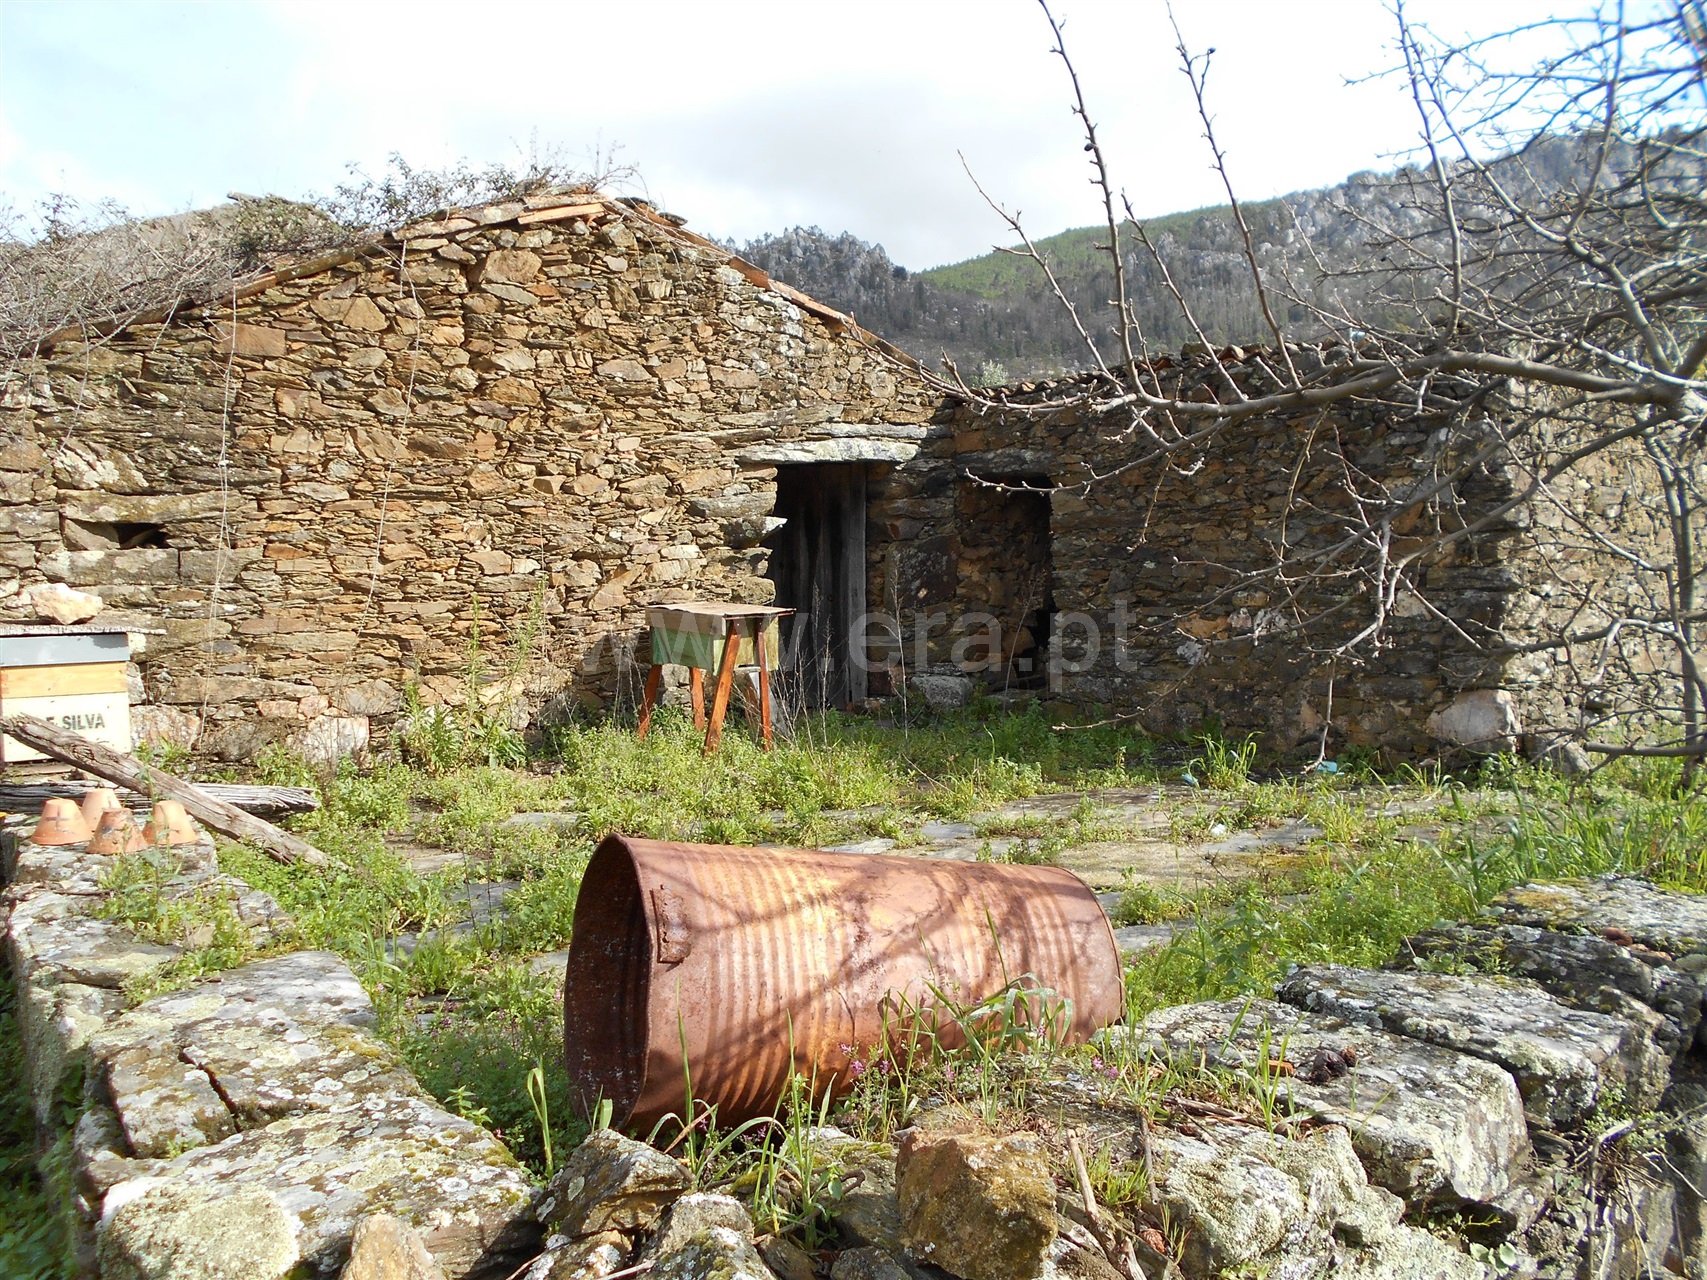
pixel 716 959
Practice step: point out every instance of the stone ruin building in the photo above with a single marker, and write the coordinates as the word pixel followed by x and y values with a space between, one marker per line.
pixel 512 428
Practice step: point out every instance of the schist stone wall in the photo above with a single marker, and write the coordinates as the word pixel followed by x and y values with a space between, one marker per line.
pixel 524 422
pixel 1147 590
pixel 515 427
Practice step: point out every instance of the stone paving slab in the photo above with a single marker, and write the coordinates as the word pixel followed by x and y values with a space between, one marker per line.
pixel 1147 852
pixel 1429 1124
pixel 270 1039
pixel 1583 968
pixel 1675 923
pixel 450 1180
pixel 1563 1059
pixel 877 844
pixel 1133 938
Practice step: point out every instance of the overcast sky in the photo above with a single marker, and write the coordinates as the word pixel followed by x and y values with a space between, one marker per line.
pixel 744 116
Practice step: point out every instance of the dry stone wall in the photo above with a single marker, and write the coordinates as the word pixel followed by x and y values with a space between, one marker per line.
pixel 512 428
pixel 246 1124
pixel 1160 576
pixel 483 444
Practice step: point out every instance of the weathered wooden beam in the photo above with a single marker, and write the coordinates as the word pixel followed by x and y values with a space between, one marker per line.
pixel 262 801
pixel 127 771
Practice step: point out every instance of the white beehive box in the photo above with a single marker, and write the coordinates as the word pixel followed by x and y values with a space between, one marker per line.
pixel 73 677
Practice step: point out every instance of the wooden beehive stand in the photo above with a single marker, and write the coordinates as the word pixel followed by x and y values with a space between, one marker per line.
pixel 704 636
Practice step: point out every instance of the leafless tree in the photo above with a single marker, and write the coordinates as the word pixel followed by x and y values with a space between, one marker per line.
pixel 1537 291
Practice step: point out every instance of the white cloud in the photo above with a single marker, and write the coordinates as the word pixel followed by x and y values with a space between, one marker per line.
pixel 745 117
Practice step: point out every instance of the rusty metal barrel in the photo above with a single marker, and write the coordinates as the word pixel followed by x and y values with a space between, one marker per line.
pixel 744 966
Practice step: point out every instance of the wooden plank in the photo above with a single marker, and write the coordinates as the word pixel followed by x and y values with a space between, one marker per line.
pixel 808 303
pixel 696 693
pixel 720 697
pixel 764 698
pixel 62 681
pixel 128 771
pixel 853 569
pixel 649 699
pixel 535 216
pixel 262 801
pixel 753 275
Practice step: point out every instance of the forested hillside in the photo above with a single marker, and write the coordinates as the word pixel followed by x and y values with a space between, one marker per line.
pixel 994 315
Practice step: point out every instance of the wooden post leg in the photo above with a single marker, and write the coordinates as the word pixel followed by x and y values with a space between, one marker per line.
pixel 696 691
pixel 764 686
pixel 720 696
pixel 649 699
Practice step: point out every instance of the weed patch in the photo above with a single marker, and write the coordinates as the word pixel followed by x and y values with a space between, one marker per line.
pixel 454 989
pixel 1355 900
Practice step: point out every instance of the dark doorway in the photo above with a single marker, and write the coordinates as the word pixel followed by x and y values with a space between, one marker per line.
pixel 817 562
pixel 1006 568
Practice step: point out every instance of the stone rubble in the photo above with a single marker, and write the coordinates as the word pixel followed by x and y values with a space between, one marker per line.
pixel 787 1259
pixel 244 1125
pixel 175 1231
pixel 1429 1124
pixel 1563 1059
pixel 1589 970
pixel 979 1206
pixel 1643 913
pixel 589 1258
pixel 387 1248
pixel 252 1127
pixel 611 1183
pixel 693 1214
pixel 1243 1198
pixel 717 1253
pixel 448 1179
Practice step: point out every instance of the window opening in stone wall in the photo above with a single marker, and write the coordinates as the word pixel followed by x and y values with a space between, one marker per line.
pixel 104 535
pixel 817 562
pixel 1007 570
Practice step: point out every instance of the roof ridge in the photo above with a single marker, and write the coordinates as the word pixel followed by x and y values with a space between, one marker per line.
pixel 553 205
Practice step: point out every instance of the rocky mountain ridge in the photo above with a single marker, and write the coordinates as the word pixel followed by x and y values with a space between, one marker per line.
pixel 996 319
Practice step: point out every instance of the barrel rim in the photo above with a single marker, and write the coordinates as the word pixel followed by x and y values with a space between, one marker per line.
pixel 587 1009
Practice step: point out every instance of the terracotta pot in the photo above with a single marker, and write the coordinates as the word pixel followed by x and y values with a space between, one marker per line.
pixel 170 825
pixel 61 822
pixel 97 802
pixel 116 833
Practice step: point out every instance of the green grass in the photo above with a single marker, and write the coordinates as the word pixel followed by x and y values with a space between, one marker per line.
pixel 1355 900
pixel 464 1007
pixel 474 1020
